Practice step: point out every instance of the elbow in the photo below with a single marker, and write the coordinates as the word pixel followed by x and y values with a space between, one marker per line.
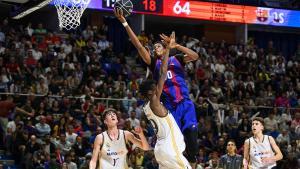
pixel 192 57
pixel 280 156
pixel 92 164
pixel 195 56
pixel 146 147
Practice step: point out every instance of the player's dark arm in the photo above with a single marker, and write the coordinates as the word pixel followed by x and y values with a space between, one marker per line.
pixel 190 55
pixel 143 52
pixel 155 104
pixel 163 71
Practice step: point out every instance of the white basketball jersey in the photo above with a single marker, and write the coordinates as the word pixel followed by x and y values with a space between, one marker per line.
pixel 259 150
pixel 113 154
pixel 170 141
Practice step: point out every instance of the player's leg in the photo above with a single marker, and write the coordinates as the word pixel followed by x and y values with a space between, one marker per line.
pixel 190 138
pixel 190 130
pixel 177 116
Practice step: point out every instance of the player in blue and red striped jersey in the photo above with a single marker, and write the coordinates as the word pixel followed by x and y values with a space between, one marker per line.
pixel 175 96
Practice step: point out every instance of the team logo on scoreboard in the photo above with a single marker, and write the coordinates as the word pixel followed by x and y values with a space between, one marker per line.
pixel 262 15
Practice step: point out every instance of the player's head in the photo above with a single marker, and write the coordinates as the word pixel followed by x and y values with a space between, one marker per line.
pixel 257 125
pixel 159 49
pixel 147 89
pixel 231 146
pixel 110 117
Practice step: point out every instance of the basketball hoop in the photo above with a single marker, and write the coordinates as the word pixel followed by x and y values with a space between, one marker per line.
pixel 69 12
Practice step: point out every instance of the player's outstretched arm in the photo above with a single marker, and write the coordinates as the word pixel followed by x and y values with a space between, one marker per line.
pixel 190 55
pixel 96 150
pixel 164 66
pixel 246 154
pixel 143 52
pixel 142 142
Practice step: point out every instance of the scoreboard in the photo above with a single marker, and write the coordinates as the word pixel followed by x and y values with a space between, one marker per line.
pixel 210 11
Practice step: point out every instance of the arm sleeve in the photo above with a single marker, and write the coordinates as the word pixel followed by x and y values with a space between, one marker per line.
pixel 152 64
pixel 180 58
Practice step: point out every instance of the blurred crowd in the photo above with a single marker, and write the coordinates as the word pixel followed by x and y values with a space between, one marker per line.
pixel 229 84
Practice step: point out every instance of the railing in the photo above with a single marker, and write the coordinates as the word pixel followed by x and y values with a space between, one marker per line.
pixel 107 100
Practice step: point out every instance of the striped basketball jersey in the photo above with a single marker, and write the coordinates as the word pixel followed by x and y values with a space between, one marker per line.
pixel 113 154
pixel 170 142
pixel 259 150
pixel 175 88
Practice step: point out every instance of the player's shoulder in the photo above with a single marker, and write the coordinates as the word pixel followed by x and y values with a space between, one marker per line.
pixel 126 132
pixel 100 136
pixel 247 140
pixel 270 138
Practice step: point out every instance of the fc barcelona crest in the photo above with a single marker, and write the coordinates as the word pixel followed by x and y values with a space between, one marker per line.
pixel 262 15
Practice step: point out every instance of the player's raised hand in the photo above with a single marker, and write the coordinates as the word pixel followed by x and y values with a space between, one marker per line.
pixel 119 14
pixel 165 39
pixel 169 40
pixel 172 43
pixel 138 130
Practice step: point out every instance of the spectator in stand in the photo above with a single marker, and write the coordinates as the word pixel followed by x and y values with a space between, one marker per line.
pixel 103 43
pixel 68 164
pixel 70 135
pixel 42 127
pixel 214 162
pixel 134 122
pixel 271 125
pixel 231 160
pixel 282 100
pixel 87 33
pixel 31 147
pixel 136 109
pixel 296 120
pixel 128 100
pixel 220 147
pixel 63 145
pixel 30 61
pixel 7 107
pixel 13 67
pixel 40 33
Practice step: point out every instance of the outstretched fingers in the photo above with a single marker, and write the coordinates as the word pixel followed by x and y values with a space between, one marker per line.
pixel 172 35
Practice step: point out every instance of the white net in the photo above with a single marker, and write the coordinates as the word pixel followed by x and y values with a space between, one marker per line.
pixel 69 12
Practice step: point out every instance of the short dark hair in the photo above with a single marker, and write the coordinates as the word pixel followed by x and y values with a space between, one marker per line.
pixel 231 140
pixel 260 119
pixel 146 86
pixel 106 111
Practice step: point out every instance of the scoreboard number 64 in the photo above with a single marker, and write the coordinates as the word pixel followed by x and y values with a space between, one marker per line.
pixel 182 8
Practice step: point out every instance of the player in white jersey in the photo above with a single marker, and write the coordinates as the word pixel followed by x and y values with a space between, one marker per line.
pixel 110 146
pixel 260 151
pixel 170 141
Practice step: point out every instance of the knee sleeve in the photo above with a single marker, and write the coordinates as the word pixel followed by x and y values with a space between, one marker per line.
pixel 190 137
